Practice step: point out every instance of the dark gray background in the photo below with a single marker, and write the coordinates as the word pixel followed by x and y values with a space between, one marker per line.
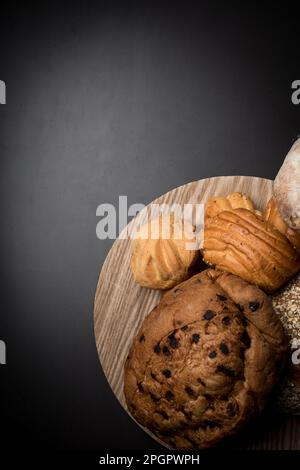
pixel 103 100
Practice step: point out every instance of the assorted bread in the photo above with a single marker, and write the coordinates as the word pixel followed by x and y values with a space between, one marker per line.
pixel 208 356
pixel 204 361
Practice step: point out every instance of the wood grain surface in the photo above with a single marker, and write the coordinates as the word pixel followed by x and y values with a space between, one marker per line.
pixel 121 306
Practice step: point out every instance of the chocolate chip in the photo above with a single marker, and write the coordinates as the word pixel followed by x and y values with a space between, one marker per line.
pixel 254 305
pixel 164 414
pixel 169 395
pixel 140 387
pixel 212 354
pixel 209 314
pixel 142 338
pixel 153 375
pixel 195 338
pixel 154 397
pixel 226 371
pixel 167 373
pixel 190 391
pixel 200 381
pixel 132 405
pixel 221 297
pixel 173 341
pixel 245 338
pixel 230 410
pixel 240 307
pixel 166 351
pixel 157 348
pixel 208 397
pixel 224 348
pixel 226 321
pixel 184 328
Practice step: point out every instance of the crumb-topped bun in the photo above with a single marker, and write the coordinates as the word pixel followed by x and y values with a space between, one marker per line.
pixel 287 188
pixel 163 253
pixel 204 361
pixel 286 304
pixel 243 243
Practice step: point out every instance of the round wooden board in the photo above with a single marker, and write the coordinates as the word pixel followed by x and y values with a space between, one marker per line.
pixel 121 305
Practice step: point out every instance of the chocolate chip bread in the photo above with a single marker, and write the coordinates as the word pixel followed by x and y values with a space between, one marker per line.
pixel 204 361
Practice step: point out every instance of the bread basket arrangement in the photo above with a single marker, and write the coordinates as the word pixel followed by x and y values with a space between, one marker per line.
pixel 222 341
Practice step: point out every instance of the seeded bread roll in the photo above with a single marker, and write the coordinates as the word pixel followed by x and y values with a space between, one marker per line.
pixel 286 304
pixel 204 361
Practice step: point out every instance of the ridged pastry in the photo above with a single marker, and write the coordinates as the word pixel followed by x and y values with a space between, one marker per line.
pixel 236 200
pixel 163 262
pixel 204 361
pixel 244 244
pixel 272 215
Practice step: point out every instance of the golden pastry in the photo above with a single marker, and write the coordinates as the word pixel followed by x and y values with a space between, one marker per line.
pixel 164 261
pixel 243 243
pixel 233 201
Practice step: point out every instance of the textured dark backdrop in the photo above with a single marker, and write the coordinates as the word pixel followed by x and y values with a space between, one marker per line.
pixel 103 100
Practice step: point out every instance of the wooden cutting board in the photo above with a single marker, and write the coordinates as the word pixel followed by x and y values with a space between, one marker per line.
pixel 121 306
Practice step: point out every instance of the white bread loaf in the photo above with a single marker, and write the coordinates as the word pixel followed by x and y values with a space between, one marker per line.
pixel 287 188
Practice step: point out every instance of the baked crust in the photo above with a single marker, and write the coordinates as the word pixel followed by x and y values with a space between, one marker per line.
pixel 244 244
pixel 204 361
pixel 287 188
pixel 163 262
pixel 232 201
pixel 273 216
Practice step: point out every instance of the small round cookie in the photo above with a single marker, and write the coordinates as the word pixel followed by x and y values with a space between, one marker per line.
pixel 164 252
pixel 204 361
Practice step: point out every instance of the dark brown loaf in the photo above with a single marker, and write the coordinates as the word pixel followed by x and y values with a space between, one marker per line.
pixel 204 361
